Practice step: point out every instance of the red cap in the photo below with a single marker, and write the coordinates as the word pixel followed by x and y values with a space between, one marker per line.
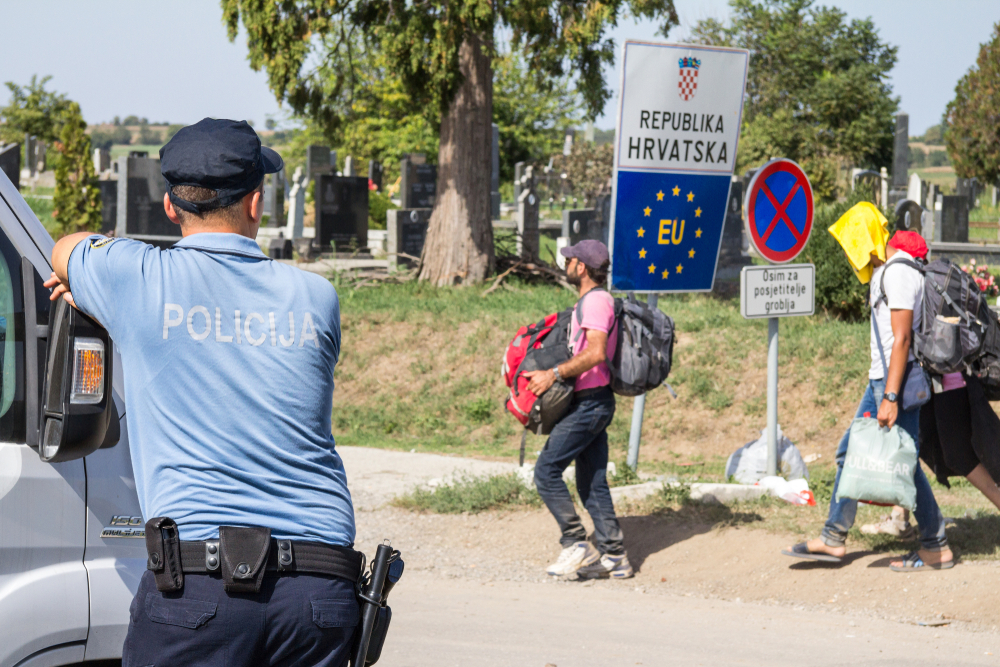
pixel 910 242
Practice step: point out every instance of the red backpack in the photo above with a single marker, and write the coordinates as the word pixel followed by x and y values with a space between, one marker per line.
pixel 538 346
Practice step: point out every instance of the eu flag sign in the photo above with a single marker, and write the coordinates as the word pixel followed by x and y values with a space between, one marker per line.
pixel 679 113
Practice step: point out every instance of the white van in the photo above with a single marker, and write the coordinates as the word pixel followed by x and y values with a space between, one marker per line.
pixel 71 533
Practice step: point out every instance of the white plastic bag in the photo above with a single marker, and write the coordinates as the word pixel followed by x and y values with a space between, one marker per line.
pixel 748 464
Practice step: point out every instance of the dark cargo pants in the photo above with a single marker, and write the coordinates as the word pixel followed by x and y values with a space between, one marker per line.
pixel 581 436
pixel 297 619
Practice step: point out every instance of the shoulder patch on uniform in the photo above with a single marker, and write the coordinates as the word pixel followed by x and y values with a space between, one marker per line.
pixel 103 242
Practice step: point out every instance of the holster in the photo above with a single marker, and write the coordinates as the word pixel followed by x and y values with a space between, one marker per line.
pixel 163 546
pixel 244 552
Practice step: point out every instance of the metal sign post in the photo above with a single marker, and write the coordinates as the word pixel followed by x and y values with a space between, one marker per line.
pixel 679 113
pixel 779 214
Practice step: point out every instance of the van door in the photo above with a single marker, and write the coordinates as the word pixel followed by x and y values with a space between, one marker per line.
pixel 43 582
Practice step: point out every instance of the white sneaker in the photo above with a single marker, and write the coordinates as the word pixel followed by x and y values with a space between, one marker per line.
pixel 573 558
pixel 609 567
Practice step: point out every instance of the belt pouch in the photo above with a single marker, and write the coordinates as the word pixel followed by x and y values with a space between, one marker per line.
pixel 163 546
pixel 244 552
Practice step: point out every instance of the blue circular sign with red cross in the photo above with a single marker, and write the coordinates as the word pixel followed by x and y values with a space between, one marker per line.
pixel 779 210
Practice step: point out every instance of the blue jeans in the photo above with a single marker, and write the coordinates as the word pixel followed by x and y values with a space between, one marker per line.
pixel 295 620
pixel 928 515
pixel 581 436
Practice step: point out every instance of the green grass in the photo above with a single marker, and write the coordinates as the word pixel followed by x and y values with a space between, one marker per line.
pixel 472 494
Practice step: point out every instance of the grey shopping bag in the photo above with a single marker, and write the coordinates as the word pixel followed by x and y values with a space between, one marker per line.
pixel 879 466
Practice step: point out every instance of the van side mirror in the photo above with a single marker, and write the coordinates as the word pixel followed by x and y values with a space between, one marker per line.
pixel 78 412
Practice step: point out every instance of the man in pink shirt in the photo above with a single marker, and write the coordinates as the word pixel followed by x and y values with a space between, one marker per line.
pixel 581 435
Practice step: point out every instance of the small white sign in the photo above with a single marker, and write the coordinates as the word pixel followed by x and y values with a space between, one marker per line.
pixel 778 291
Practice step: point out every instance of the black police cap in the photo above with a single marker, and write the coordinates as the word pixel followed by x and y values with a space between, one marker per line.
pixel 217 154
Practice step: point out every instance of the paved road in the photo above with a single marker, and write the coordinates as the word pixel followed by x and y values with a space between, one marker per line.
pixel 457 623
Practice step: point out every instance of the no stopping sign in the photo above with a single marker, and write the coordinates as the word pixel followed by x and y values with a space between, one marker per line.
pixel 779 210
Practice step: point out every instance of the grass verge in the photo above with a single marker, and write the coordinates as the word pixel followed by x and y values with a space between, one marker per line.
pixel 473 495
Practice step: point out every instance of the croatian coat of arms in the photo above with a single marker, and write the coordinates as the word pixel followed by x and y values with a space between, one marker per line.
pixel 687 84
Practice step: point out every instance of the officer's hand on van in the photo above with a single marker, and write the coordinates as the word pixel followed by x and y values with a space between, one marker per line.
pixel 540 381
pixel 59 290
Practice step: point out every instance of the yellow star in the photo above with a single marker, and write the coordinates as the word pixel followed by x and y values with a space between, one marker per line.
pixel 697 233
pixel 666 273
pixel 659 196
pixel 690 196
pixel 652 268
pixel 642 254
pixel 643 231
pixel 676 190
pixel 679 268
pixel 697 212
pixel 646 211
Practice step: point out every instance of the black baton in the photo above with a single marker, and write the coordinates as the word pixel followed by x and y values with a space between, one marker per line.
pixel 386 569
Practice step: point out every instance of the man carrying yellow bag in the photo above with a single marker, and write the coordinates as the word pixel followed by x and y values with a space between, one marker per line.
pixel 864 236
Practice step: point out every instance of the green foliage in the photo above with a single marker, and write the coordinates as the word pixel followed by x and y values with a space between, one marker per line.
pixel 817 91
pixel 148 135
pixel 101 139
pixel 973 134
pixel 32 110
pixel 472 494
pixel 624 475
pixel 838 290
pixel 172 130
pixel 479 409
pixel 378 204
pixel 588 170
pixel 134 120
pixel 934 136
pixel 77 199
pixel 938 159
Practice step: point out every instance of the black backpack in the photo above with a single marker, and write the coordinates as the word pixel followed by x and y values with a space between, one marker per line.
pixel 957 331
pixel 645 349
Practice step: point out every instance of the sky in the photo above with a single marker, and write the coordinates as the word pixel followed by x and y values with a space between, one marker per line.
pixel 173 62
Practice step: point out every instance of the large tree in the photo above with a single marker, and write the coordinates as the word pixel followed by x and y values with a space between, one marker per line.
pixel 973 117
pixel 443 52
pixel 817 89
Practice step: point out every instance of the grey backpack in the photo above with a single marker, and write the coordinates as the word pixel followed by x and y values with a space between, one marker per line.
pixel 645 346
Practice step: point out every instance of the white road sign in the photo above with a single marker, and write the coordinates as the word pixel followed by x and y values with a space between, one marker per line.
pixel 777 291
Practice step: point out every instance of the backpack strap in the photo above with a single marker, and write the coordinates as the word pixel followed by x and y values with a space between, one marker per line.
pixel 878 341
pixel 524 436
pixel 578 311
pixel 906 262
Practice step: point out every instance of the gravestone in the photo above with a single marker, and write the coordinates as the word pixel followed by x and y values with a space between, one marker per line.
pixel 731 257
pixel 102 160
pixel 406 233
pixel 41 153
pixel 10 163
pixel 933 190
pixel 341 213
pixel 603 206
pixel 375 173
pixel 527 218
pixel 349 166
pixel 418 183
pixel 518 175
pixel 109 205
pixel 29 154
pixel 140 213
pixel 568 142
pixel 274 199
pixel 317 162
pixel 968 188
pixel 901 152
pixel 296 205
pixel 994 196
pixel 909 216
pixel 582 223
pixel 495 175
pixel 954 219
pixel 280 248
pixel 138 153
pixel 916 190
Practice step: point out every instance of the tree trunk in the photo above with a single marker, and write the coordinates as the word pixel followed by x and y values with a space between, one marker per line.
pixel 459 245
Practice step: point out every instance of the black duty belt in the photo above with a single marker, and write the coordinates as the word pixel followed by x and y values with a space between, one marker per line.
pixel 289 556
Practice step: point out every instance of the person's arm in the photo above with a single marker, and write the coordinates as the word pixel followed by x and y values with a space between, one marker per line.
pixel 58 282
pixel 902 332
pixel 596 352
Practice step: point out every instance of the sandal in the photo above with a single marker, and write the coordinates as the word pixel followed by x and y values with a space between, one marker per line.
pixel 912 562
pixel 801 550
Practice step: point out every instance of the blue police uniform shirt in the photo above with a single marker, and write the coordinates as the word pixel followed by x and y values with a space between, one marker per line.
pixel 228 360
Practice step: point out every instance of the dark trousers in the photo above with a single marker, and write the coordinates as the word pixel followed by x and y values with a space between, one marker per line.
pixel 581 436
pixel 304 620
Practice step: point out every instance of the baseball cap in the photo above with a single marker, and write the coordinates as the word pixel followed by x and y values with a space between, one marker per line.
pixel 592 253
pixel 217 154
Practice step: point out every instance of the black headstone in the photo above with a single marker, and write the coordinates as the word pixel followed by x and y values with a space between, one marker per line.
pixel 732 230
pixel 140 211
pixel 109 205
pixel 954 219
pixel 418 185
pixel 10 163
pixel 375 171
pixel 583 223
pixel 909 216
pixel 407 231
pixel 317 161
pixel 341 213
pixel 901 152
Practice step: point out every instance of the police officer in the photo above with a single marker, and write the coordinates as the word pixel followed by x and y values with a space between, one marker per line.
pixel 228 365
